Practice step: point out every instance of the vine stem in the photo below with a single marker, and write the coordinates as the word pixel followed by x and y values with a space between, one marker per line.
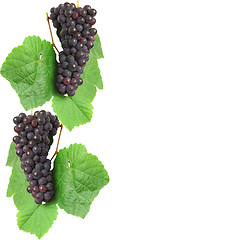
pixel 56 152
pixel 53 44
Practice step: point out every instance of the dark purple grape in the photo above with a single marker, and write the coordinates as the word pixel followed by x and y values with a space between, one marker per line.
pixel 82 62
pixel 35 189
pixel 24 157
pixel 37 174
pixel 27 170
pixel 62 88
pixel 16 139
pixel 44 173
pixel 36 150
pixel 37 201
pixel 93 31
pixel 29 189
pixel 31 143
pixel 67 51
pixel 23 134
pixel 37 138
pixel 30 154
pixel 85 33
pixel 26 120
pixel 72 42
pixel 42 181
pixel 42 159
pixel 72 67
pixel 17 120
pixel 92 22
pixel 87 7
pixel 39 196
pixel 28 128
pixel 67 73
pixel 68 12
pixel 49 178
pixel 30 135
pixel 82 12
pixel 29 177
pixel 47 166
pixel 26 148
pixel 22 116
pixel 34 123
pixel 21 126
pixel 33 183
pixel 36 158
pixel 80 82
pixel 19 152
pixel 42 188
pixel 89 18
pixel 70 59
pixel 49 186
pixel 61 19
pixel 45 139
pixel 71 23
pixel 41 120
pixel 67 81
pixel 43 113
pixel 75 15
pixel 92 12
pixel 30 162
pixel 47 196
pixel 90 44
pixel 44 151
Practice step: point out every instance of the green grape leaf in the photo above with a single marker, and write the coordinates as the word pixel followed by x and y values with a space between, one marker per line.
pixel 77 110
pixel 17 179
pixel 12 157
pixel 30 69
pixel 92 73
pixel 97 49
pixel 37 219
pixel 79 177
pixel 72 111
pixel 32 218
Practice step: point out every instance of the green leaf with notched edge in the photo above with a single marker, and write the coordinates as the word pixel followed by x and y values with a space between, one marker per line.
pixel 17 179
pixel 77 110
pixel 30 69
pixel 79 177
pixel 32 218
pixel 12 157
pixel 72 111
pixel 97 50
pixel 92 73
pixel 37 219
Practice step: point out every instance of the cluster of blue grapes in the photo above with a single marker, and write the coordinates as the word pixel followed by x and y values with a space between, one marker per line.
pixel 74 28
pixel 35 135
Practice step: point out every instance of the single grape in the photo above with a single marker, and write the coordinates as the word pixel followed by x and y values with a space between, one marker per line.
pixel 35 189
pixel 37 175
pixel 42 188
pixel 16 139
pixel 29 189
pixel 42 181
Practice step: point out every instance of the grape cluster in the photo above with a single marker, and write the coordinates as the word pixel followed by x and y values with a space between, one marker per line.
pixel 35 134
pixel 74 28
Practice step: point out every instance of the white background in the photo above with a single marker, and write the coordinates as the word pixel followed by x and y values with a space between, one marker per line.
pixel 166 126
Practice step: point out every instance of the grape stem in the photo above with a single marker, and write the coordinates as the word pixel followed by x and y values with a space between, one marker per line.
pixel 78 3
pixel 31 112
pixel 53 44
pixel 56 152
